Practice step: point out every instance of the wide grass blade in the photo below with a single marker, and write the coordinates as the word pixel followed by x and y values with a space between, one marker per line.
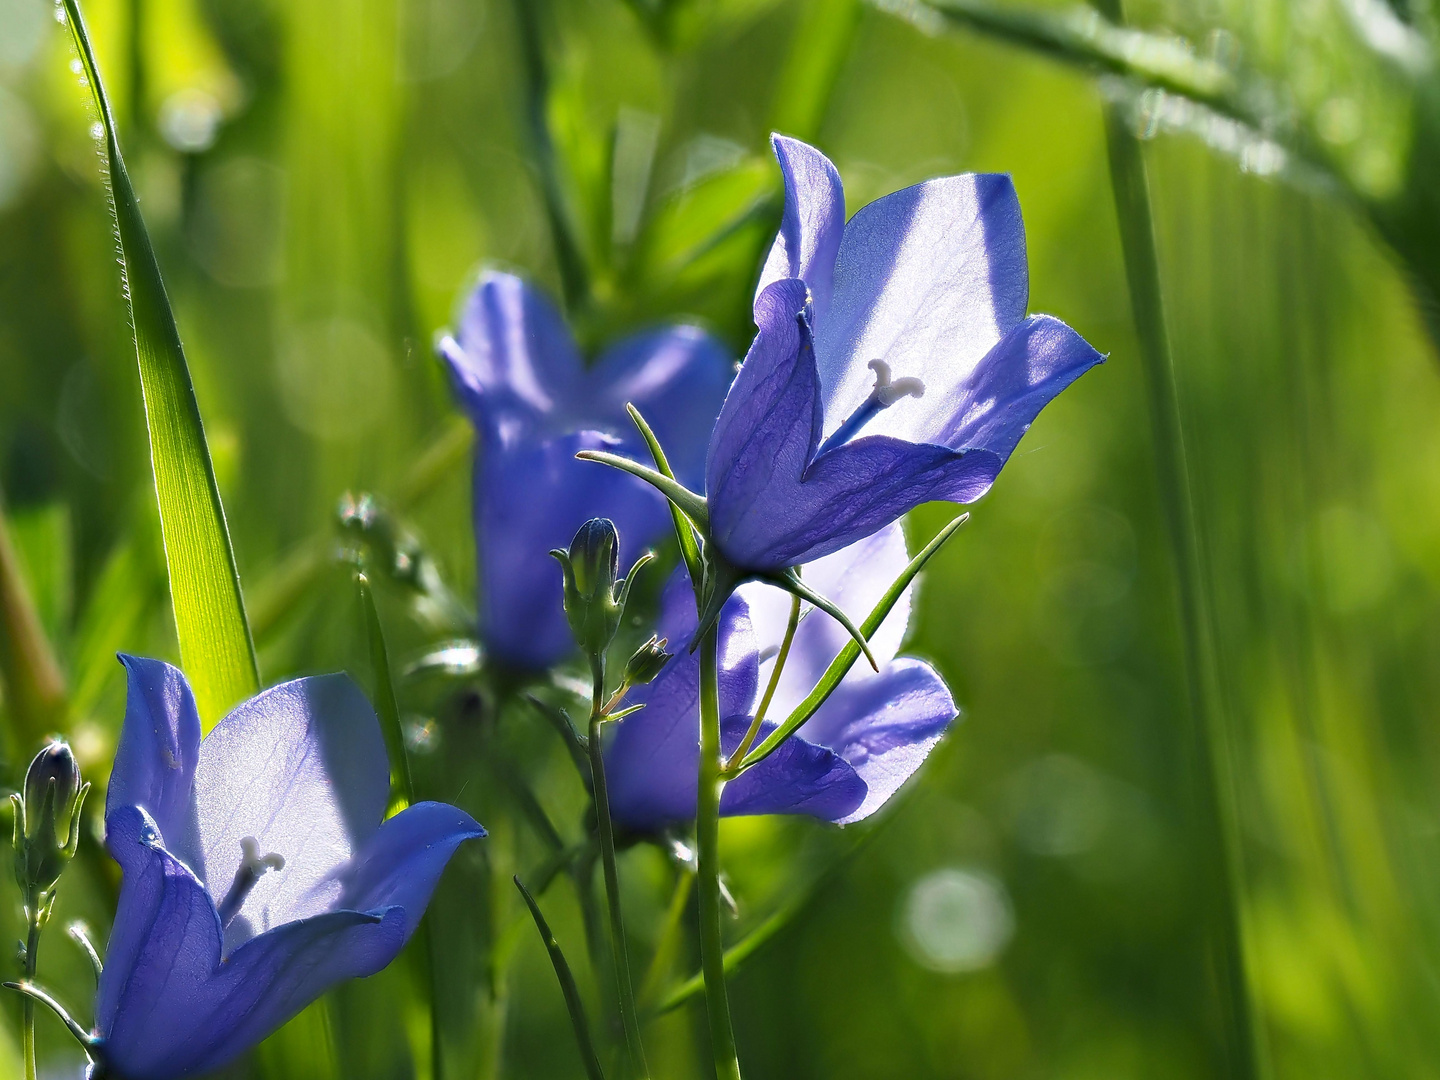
pixel 215 646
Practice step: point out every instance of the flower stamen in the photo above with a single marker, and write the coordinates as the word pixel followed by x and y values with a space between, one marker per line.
pixel 886 393
pixel 253 866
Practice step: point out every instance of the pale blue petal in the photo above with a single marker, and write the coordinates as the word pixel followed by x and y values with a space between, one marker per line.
pixel 302 768
pixel 812 225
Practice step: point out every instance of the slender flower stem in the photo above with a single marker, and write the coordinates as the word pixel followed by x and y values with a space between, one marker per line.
pixel 629 1016
pixel 707 835
pixel 1221 871
pixel 784 654
pixel 27 1018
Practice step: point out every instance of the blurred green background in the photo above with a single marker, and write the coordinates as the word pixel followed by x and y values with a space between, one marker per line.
pixel 323 180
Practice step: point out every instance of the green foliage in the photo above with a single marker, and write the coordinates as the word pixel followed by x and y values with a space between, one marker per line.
pixel 215 647
pixel 318 186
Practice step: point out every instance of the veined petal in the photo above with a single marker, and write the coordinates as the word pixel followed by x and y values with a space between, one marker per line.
pixel 677 377
pixel 300 767
pixel 1015 380
pixel 401 864
pixel 159 746
pixel 529 498
pixel 884 726
pixel 169 1006
pixel 768 429
pixel 812 225
pixel 800 777
pixel 928 280
pixel 514 354
pixel 653 755
pixel 852 491
pixel 855 578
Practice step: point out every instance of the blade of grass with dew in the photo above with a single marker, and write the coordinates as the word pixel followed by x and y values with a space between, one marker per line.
pixel 847 656
pixel 215 646
pixel 1207 734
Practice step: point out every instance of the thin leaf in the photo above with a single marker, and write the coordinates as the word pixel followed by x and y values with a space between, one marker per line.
pixel 847 656
pixel 402 788
pixel 684 531
pixel 681 497
pixel 568 988
pixel 215 646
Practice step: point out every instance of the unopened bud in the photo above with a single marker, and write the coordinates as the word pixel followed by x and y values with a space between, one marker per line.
pixel 647 662
pixel 47 817
pixel 590 567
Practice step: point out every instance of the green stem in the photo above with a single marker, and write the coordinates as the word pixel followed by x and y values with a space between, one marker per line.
pixel 35 916
pixel 784 654
pixel 707 835
pixel 569 258
pixel 1220 845
pixel 629 1016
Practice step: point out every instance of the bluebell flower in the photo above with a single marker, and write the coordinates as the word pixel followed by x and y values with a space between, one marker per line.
pixel 872 733
pixel 894 364
pixel 257 871
pixel 534 405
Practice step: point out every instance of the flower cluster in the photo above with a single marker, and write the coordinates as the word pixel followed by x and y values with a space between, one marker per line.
pixel 894 363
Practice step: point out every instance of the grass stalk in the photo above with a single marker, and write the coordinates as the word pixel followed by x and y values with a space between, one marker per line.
pixel 1218 837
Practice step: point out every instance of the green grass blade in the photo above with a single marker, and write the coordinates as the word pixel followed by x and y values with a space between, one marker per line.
pixel 847 656
pixel 215 646
pixel 402 788
pixel 1206 730
pixel 573 1003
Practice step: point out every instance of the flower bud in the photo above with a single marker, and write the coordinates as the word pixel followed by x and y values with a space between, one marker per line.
pixel 649 660
pixel 590 568
pixel 47 817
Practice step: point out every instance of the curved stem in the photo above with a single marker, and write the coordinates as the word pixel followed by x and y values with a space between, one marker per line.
pixel 784 654
pixel 707 835
pixel 629 1017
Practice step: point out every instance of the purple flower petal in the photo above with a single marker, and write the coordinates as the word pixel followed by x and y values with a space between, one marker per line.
pixel 798 778
pixel 767 431
pixel 1016 379
pixel 530 498
pixel 677 377
pixel 653 755
pixel 928 280
pixel 884 726
pixel 300 767
pixel 855 578
pixel 401 864
pixel 159 745
pixel 168 1006
pixel 515 356
pixel 812 225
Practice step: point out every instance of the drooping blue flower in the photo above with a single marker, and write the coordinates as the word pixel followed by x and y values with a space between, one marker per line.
pixel 872 733
pixel 534 404
pixel 894 364
pixel 257 871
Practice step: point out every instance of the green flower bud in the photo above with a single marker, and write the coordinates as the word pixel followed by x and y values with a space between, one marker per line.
pixel 649 660
pixel 47 817
pixel 591 602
